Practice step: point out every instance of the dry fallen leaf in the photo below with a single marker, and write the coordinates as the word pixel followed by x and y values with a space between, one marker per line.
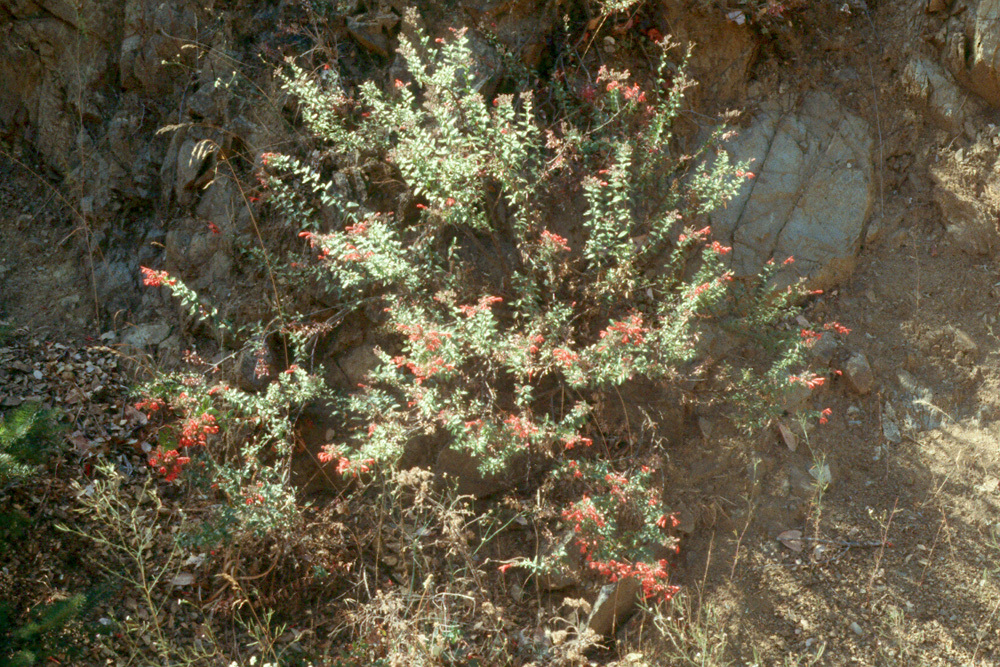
pixel 74 396
pixel 81 442
pixel 792 539
pixel 821 553
pixel 182 579
pixel 821 473
pixel 786 434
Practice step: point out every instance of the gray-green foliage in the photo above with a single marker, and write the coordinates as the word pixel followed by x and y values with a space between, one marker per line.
pixel 486 173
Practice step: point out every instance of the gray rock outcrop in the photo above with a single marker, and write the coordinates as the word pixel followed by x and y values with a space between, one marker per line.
pixel 982 52
pixel 811 196
pixel 948 104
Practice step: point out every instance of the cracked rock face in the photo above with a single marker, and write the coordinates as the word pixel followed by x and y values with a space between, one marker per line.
pixel 980 52
pixel 811 197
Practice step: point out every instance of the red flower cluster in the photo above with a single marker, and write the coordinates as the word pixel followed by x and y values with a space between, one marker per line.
pixel 810 380
pixel 809 337
pixel 837 327
pixel 652 577
pixel 701 289
pixel 151 278
pixel 585 517
pixel 632 331
pixel 575 440
pixel 554 241
pixel 824 416
pixel 698 234
pixel 168 463
pixel 152 404
pixel 423 371
pixel 522 428
pixel 353 254
pixel 358 228
pixel 633 92
pixel 344 465
pixel 536 340
pixel 197 429
pixel 581 512
pixel 565 357
pixel 328 453
pixel 415 332
pixel 485 303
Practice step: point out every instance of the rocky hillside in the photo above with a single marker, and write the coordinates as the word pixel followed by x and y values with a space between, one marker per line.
pixel 133 130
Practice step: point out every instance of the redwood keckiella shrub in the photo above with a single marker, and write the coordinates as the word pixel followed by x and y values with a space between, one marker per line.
pixel 623 296
pixel 506 363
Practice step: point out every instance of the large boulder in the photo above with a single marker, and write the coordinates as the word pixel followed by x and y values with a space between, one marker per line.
pixel 948 104
pixel 811 196
pixel 981 51
pixel 615 603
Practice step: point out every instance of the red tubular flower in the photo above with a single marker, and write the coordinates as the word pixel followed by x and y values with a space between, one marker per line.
pixel 824 415
pixel 168 464
pixel 197 429
pixel 554 241
pixel 151 278
pixel 575 440
pixel 632 331
pixel 838 327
